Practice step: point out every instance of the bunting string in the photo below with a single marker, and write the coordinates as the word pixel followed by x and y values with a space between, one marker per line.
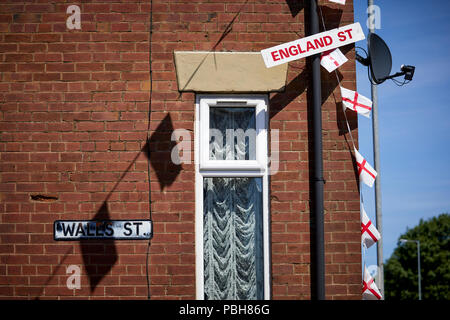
pixel 338 81
pixel 369 234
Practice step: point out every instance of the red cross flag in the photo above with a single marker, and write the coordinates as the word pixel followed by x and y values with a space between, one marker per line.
pixel 331 60
pixel 356 102
pixel 338 1
pixel 365 171
pixel 370 290
pixel 369 234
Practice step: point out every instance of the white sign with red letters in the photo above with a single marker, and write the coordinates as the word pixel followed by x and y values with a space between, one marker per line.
pixel 338 1
pixel 311 45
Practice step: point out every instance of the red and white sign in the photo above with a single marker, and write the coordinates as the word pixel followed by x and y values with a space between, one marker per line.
pixel 311 45
pixel 369 234
pixel 331 60
pixel 338 1
pixel 365 171
pixel 370 290
pixel 356 102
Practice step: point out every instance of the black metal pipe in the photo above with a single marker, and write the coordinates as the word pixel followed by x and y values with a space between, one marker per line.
pixel 319 254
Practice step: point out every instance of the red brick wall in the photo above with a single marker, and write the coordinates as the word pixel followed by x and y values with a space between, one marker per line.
pixel 74 122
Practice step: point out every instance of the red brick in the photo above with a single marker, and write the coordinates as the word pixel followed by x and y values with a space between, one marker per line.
pixel 118 66
pixel 47 57
pixel 16 57
pixel 107 96
pixel 46 37
pixel 46 76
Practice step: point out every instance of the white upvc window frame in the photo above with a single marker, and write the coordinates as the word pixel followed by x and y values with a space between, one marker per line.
pixel 260 105
pixel 204 167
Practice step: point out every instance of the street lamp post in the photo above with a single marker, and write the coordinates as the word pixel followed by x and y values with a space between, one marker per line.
pixel 376 160
pixel 418 263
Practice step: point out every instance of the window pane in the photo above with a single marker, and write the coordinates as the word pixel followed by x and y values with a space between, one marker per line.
pixel 232 239
pixel 232 133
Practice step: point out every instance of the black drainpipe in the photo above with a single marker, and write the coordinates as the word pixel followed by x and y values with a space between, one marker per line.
pixel 318 181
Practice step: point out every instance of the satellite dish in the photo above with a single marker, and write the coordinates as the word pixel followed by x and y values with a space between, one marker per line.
pixel 380 58
pixel 379 61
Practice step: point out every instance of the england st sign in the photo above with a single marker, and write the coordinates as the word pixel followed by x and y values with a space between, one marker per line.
pixel 311 45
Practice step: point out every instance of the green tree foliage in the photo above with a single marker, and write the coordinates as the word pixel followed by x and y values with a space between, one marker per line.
pixel 400 270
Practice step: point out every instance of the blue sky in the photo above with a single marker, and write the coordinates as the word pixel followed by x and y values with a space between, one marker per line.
pixel 414 120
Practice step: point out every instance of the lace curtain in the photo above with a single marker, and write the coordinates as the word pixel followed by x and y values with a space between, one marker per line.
pixel 232 134
pixel 232 239
pixel 232 224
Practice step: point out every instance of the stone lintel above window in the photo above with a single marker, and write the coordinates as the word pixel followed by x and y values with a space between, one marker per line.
pixel 230 72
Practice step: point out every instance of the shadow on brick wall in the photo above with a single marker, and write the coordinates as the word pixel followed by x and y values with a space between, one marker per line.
pixel 293 90
pixel 300 83
pixel 100 256
pixel 160 147
pixel 295 6
pixel 227 30
pixel 331 17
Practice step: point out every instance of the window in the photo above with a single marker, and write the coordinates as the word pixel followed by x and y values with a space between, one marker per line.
pixel 232 246
pixel 233 134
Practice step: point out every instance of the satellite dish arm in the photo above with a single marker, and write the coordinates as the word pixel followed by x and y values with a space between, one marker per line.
pixel 395 75
pixel 407 71
pixel 363 61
